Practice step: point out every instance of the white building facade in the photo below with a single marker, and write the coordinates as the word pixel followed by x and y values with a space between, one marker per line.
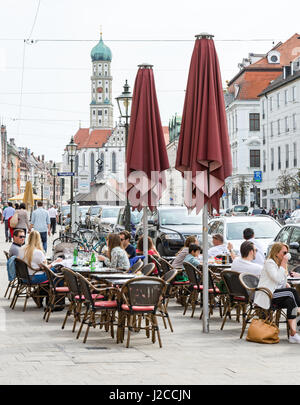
pixel 280 110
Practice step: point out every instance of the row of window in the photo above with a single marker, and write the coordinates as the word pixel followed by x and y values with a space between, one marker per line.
pixel 99 112
pixel 283 152
pixel 281 128
pixel 92 162
pixel 281 98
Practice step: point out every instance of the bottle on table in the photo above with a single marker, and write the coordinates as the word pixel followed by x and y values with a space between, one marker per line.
pixel 75 257
pixel 93 261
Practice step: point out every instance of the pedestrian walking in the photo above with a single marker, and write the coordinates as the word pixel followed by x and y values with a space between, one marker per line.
pixel 8 212
pixel 23 221
pixel 40 221
pixel 53 218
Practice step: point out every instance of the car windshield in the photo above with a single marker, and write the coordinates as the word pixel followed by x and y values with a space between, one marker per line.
pixel 240 208
pixel 110 212
pixel 65 209
pixel 135 217
pixel 94 210
pixel 296 214
pixel 179 217
pixel 262 229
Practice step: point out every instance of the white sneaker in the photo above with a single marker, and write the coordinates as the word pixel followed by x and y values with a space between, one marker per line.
pixel 295 338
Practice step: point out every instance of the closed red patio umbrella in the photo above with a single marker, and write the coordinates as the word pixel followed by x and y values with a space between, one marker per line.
pixel 146 156
pixel 203 154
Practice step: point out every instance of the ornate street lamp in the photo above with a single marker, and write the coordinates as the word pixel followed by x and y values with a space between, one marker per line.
pixel 42 182
pixel 71 149
pixel 124 103
pixel 54 171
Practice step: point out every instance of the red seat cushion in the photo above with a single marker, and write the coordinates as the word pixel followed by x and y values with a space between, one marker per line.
pixel 210 290
pixel 180 282
pixel 62 289
pixel 239 298
pixel 94 296
pixel 138 308
pixel 105 304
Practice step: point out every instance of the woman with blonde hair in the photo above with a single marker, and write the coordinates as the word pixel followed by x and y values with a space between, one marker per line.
pixel 33 254
pixel 274 277
pixel 116 255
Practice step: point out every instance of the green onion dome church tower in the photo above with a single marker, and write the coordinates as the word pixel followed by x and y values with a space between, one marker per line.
pixel 101 107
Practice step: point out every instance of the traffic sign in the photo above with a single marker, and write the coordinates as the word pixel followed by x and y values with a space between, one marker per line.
pixel 66 174
pixel 257 176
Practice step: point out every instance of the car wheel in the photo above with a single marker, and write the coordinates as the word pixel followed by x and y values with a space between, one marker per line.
pixel 160 249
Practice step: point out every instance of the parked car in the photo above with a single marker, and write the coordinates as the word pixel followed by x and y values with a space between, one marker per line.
pixel 90 214
pixel 290 234
pixel 83 209
pixel 135 219
pixel 63 211
pixel 265 229
pixel 169 226
pixel 239 210
pixel 294 218
pixel 107 217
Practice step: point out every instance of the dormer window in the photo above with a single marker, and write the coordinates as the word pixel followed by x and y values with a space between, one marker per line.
pixel 274 57
pixel 236 90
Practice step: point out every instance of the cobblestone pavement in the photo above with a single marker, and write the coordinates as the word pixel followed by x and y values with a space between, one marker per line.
pixel 35 352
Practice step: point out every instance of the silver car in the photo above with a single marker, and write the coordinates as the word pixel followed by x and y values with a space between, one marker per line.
pixel 294 218
pixel 265 229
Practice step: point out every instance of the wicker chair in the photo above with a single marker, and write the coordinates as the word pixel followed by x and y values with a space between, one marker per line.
pixel 168 278
pixel 25 288
pixel 140 297
pixel 136 266
pixel 11 283
pixel 155 260
pixel 57 294
pixel 195 287
pixel 97 312
pixel 250 283
pixel 75 296
pixel 148 269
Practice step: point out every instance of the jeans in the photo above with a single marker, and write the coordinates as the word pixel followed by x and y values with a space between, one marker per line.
pixel 7 231
pixel 44 240
pixel 53 225
pixel 38 278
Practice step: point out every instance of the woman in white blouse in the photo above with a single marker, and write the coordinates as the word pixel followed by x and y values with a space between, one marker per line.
pixel 116 255
pixel 274 277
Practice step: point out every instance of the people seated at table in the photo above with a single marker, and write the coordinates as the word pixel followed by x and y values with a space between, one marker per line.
pixel 274 277
pixel 125 242
pixel 192 257
pixel 151 249
pixel 177 263
pixel 116 255
pixel 219 247
pixel 33 254
pixel 248 234
pixel 245 263
pixel 18 241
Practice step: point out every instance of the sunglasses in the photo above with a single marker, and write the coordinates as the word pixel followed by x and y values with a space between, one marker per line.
pixel 22 237
pixel 284 253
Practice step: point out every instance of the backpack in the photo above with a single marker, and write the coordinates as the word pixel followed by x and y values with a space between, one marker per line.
pixel 14 220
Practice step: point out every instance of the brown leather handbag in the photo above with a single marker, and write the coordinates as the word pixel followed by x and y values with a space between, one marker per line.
pixel 262 331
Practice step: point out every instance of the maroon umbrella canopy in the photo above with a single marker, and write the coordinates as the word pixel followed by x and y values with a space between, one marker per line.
pixel 203 142
pixel 146 148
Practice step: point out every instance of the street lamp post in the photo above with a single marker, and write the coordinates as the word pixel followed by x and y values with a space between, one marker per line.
pixel 54 171
pixel 42 181
pixel 124 104
pixel 71 148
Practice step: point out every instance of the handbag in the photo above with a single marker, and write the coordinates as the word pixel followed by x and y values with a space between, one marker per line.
pixel 14 220
pixel 262 331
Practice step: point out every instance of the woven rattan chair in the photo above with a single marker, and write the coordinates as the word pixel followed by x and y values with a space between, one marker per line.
pixel 195 287
pixel 140 297
pixel 136 266
pixel 250 283
pixel 154 259
pixel 57 294
pixel 237 296
pixel 148 269
pixel 168 278
pixel 25 288
pixel 11 283
pixel 75 296
pixel 97 312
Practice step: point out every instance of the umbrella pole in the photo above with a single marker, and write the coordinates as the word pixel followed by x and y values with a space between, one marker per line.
pixel 145 235
pixel 205 316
